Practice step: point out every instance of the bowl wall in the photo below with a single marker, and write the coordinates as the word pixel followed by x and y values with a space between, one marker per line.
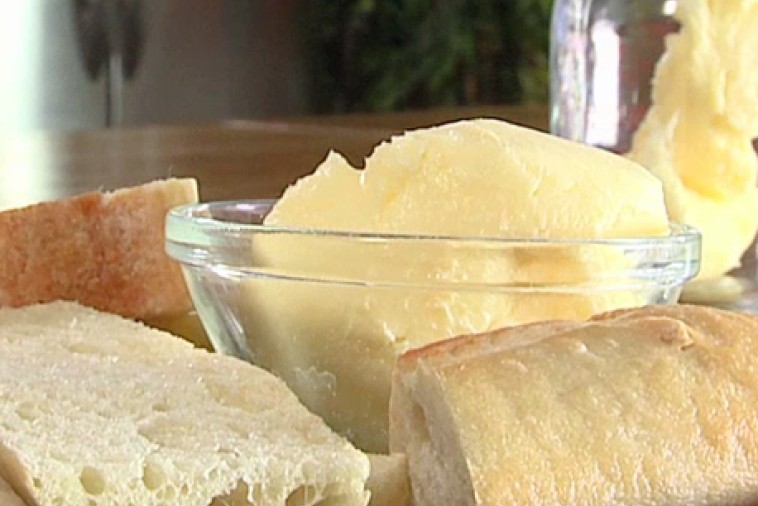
pixel 329 312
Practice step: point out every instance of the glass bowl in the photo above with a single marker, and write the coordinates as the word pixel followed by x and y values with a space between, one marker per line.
pixel 330 311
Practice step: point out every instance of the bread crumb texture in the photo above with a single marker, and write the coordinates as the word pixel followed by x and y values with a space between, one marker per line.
pixel 97 410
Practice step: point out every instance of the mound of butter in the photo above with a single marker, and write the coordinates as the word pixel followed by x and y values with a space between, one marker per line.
pixel 697 135
pixel 337 310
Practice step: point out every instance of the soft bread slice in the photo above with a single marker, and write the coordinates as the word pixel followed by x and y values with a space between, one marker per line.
pixel 7 496
pixel 99 410
pixel 105 250
pixel 655 406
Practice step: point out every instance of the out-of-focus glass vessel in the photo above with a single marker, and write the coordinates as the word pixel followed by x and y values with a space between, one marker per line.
pixel 602 59
pixel 603 56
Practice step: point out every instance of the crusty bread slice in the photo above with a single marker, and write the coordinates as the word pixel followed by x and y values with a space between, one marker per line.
pixel 98 410
pixel 7 496
pixel 655 406
pixel 105 250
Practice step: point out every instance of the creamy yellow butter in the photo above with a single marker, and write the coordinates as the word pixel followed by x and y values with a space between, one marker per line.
pixel 697 135
pixel 483 178
pixel 335 344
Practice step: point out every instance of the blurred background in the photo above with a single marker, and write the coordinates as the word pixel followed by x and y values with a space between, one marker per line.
pixel 72 64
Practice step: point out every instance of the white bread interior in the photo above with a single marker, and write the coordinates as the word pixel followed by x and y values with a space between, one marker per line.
pixel 104 250
pixel 655 406
pixel 99 410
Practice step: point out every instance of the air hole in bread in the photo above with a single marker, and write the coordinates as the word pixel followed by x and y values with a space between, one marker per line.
pixel 304 495
pixel 334 500
pixel 59 455
pixel 256 495
pixel 237 497
pixel 161 406
pixel 420 426
pixel 184 489
pixel 223 396
pixel 92 481
pixel 214 475
pixel 153 476
pixel 84 348
pixel 167 494
pixel 28 412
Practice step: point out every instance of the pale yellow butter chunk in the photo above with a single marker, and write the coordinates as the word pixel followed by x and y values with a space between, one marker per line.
pixel 490 178
pixel 697 136
pixel 336 344
pixel 332 194
pixel 483 178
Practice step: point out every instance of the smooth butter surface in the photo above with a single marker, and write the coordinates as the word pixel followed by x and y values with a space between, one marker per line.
pixel 482 178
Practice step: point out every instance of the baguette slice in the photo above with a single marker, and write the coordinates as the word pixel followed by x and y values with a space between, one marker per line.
pixel 98 410
pixel 654 406
pixel 104 250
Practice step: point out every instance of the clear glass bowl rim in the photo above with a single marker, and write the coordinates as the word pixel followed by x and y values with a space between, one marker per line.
pixel 198 241
pixel 191 215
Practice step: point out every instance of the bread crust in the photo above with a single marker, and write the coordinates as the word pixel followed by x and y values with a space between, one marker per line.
pixel 656 405
pixel 7 496
pixel 104 250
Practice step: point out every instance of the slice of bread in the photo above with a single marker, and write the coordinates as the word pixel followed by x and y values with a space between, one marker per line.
pixel 655 406
pixel 105 250
pixel 98 410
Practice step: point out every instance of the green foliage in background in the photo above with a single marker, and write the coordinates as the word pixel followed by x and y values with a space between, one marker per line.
pixel 378 55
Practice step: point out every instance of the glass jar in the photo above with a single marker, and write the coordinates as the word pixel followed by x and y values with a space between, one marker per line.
pixel 602 58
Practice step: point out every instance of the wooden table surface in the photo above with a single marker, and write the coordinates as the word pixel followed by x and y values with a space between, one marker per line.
pixel 231 160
